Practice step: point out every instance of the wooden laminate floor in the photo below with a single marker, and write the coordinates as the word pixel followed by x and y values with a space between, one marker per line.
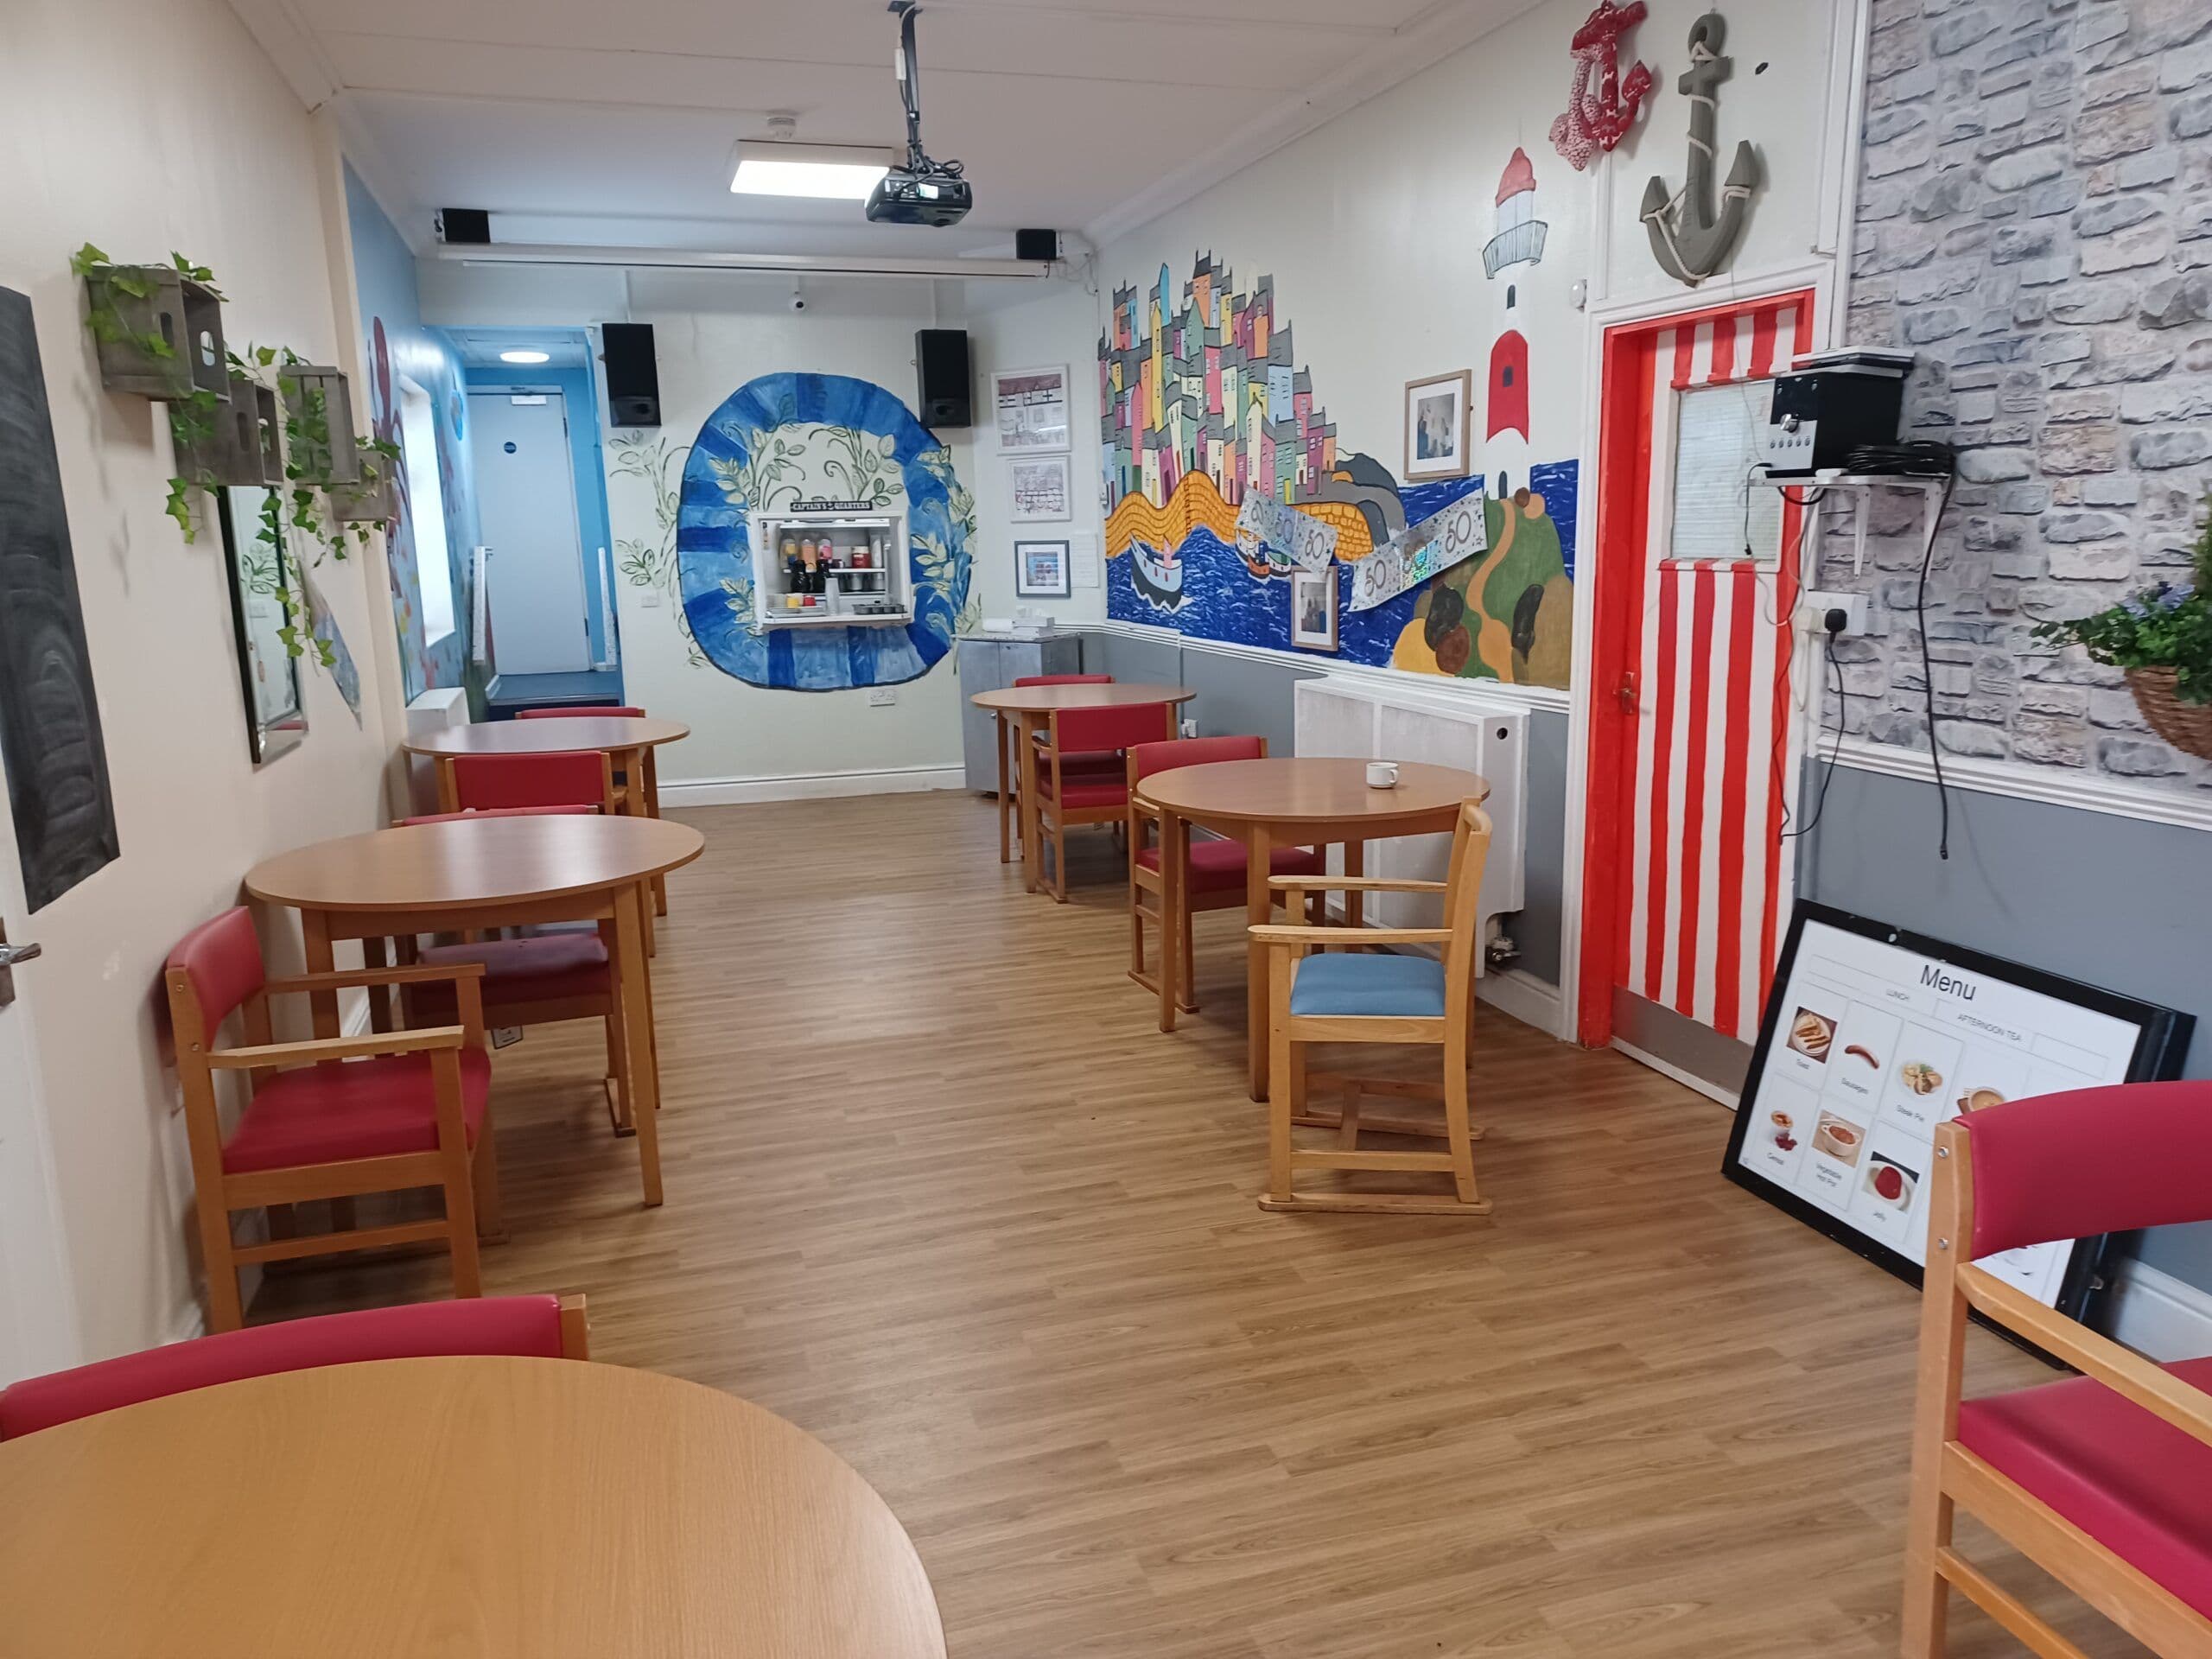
pixel 939 1192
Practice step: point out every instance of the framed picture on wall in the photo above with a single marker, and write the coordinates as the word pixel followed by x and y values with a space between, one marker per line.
pixel 1040 570
pixel 1436 426
pixel 1038 484
pixel 1313 609
pixel 1031 409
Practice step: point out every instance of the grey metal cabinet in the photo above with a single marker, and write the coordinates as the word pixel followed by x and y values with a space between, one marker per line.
pixel 993 664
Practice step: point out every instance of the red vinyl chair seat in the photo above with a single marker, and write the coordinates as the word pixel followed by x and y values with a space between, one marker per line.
pixel 1218 865
pixel 338 1111
pixel 526 1325
pixel 2136 1484
pixel 1103 788
pixel 543 968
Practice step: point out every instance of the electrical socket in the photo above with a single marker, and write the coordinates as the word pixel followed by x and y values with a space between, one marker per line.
pixel 881 696
pixel 1813 609
pixel 649 599
pixel 1190 728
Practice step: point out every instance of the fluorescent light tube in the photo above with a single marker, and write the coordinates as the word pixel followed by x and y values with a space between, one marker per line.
pixel 826 172
pixel 525 357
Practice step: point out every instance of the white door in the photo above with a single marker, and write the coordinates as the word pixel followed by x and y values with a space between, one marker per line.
pixel 526 502
pixel 38 1329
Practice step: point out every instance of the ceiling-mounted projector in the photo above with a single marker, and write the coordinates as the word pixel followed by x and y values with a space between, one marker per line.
pixel 922 191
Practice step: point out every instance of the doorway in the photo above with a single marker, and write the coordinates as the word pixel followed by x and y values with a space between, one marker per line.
pixel 526 502
pixel 1693 746
pixel 38 1328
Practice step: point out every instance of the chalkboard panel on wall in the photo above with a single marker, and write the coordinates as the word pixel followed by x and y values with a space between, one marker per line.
pixel 50 740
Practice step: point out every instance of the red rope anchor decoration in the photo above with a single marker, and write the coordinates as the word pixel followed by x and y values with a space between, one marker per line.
pixel 1598 120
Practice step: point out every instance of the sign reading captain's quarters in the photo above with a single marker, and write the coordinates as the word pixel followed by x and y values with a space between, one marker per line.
pixel 1873 1036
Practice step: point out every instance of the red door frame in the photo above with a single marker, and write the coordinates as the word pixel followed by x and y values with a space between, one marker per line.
pixel 1621 542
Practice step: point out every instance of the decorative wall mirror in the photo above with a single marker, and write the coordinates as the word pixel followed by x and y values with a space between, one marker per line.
pixel 253 520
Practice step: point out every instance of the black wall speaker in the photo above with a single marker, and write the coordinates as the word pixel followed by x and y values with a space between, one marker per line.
pixel 941 361
pixel 465 226
pixel 1037 244
pixel 632 376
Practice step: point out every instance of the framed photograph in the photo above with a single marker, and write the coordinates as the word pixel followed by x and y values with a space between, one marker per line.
pixel 1031 409
pixel 1040 570
pixel 1038 484
pixel 1436 426
pixel 1873 1035
pixel 1313 609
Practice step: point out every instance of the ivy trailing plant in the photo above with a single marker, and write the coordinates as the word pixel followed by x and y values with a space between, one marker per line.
pixel 2168 626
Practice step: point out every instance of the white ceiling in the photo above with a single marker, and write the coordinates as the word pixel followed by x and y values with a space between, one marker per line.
pixel 586 122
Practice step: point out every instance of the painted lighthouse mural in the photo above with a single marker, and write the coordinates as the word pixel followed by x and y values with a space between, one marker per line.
pixel 1519 241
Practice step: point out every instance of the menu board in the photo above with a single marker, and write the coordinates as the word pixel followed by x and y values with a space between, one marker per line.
pixel 1873 1036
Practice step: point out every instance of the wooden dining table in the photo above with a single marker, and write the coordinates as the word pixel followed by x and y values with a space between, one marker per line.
pixel 485 1506
pixel 1029 709
pixel 628 741
pixel 1293 801
pixel 490 872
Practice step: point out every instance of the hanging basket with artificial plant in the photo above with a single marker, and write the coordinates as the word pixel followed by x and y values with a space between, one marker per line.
pixel 2161 638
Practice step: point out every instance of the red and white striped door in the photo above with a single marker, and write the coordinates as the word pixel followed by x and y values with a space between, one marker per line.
pixel 1687 879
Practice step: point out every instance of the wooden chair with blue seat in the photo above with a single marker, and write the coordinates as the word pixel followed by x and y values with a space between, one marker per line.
pixel 2104 1481
pixel 329 1118
pixel 1211 872
pixel 1359 997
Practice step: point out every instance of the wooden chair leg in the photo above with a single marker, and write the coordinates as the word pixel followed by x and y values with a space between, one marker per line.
pixel 1458 1140
pixel 484 1180
pixel 225 1309
pixel 1280 1083
pixel 1137 933
pixel 1186 988
pixel 1059 861
pixel 1923 1634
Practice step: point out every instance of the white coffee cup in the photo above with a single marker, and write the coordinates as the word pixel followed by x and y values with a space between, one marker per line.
pixel 1382 774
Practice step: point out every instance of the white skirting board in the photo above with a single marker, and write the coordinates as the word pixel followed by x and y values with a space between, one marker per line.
pixel 2156 1314
pixel 1524 997
pixel 809 786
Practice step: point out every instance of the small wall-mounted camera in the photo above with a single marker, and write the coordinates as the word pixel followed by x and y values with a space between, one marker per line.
pixel 797 301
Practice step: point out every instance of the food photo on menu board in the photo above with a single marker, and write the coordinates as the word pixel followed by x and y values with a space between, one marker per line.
pixel 1873 1036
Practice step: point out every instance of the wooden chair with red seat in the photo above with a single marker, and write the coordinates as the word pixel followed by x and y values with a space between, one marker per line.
pixel 1068 796
pixel 330 1118
pixel 2105 1480
pixel 1212 873
pixel 1358 997
pixel 538 1327
pixel 648 767
pixel 1010 772
pixel 538 979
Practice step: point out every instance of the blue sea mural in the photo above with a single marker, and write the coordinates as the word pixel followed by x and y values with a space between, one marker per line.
pixel 783 438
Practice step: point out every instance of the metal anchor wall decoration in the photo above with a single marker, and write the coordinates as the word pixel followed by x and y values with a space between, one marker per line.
pixel 1688 239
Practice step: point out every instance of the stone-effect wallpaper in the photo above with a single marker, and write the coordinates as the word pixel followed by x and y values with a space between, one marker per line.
pixel 2035 220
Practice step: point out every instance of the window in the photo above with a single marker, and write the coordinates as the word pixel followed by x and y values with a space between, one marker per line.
pixel 426 506
pixel 1505 375
pixel 1722 509
pixel 1511 295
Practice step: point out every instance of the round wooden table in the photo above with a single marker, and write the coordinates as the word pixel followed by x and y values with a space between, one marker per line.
pixel 487 872
pixel 1030 707
pixel 1295 801
pixel 544 1508
pixel 628 742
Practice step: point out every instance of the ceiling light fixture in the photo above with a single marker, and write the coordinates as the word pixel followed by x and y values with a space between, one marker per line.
pixel 777 166
pixel 525 356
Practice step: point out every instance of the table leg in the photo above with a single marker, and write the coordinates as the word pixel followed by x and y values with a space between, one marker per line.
pixel 1032 863
pixel 618 1049
pixel 637 1036
pixel 315 938
pixel 1258 909
pixel 1174 845
pixel 1006 798
pixel 649 772
pixel 1354 903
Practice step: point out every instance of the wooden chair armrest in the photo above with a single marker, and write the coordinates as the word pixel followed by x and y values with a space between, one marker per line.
pixel 1276 933
pixel 2123 1370
pixel 1354 884
pixel 344 976
pixel 276 1056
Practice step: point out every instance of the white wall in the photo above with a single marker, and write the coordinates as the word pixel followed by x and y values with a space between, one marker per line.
pixel 148 125
pixel 1012 326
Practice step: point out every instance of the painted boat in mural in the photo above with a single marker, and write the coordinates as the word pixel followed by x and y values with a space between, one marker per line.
pixel 1157 575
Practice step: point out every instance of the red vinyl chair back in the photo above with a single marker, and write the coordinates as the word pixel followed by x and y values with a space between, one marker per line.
pixel 222 961
pixel 538 1326
pixel 1146 758
pixel 2089 1161
pixel 560 778
pixel 592 711
pixel 1064 679
pixel 1080 730
pixel 497 813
